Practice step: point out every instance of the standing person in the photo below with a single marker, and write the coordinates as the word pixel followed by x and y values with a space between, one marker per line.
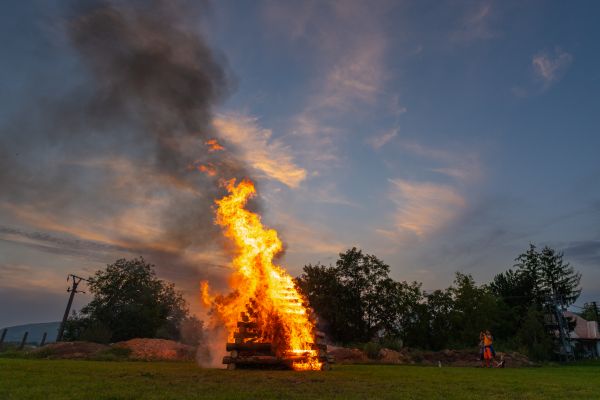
pixel 488 349
pixel 491 340
pixel 481 348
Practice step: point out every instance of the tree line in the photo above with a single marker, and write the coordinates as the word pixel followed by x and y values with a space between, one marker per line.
pixel 357 301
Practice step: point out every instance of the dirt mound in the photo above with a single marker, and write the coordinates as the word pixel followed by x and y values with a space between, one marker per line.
pixel 347 355
pixel 455 358
pixel 388 356
pixel 71 350
pixel 470 358
pixel 157 349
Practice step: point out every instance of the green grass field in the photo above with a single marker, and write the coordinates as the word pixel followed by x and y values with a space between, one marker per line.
pixel 53 379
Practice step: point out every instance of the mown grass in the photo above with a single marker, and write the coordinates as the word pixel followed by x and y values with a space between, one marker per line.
pixel 67 379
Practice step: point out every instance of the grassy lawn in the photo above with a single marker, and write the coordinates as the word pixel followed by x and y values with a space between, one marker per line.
pixel 54 379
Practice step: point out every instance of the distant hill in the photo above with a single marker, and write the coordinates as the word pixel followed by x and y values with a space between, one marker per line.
pixel 15 333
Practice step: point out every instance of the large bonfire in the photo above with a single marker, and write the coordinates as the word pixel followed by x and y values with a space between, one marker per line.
pixel 261 289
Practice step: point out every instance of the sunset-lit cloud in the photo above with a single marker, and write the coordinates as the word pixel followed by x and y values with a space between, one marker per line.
pixel 271 157
pixel 424 207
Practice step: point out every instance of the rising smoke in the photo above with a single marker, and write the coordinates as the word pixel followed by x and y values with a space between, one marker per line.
pixel 124 137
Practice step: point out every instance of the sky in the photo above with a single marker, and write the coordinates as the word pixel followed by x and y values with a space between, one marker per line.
pixel 441 136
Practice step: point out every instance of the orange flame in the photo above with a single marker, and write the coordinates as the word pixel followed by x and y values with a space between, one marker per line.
pixel 208 169
pixel 278 308
pixel 213 145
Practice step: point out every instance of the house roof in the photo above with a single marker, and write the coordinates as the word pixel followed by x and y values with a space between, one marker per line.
pixel 584 329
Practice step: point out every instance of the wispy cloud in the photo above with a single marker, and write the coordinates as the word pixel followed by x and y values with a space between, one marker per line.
pixel 379 141
pixel 352 83
pixel 464 167
pixel 424 207
pixel 357 76
pixel 349 48
pixel 550 67
pixel 53 244
pixel 329 194
pixel 271 157
pixel 278 13
pixel 476 24
pixel 462 174
pixel 17 275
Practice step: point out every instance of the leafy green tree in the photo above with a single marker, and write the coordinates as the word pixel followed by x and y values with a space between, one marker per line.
pixel 130 301
pixel 533 336
pixel 356 300
pixel 418 333
pixel 329 298
pixel 360 303
pixel 398 308
pixel 475 309
pixel 363 275
pixel 515 289
pixel 439 310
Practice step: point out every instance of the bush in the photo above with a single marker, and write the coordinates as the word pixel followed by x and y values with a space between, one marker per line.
pixel 371 349
pixel 96 332
pixel 12 353
pixel 113 354
pixel 392 343
pixel 44 352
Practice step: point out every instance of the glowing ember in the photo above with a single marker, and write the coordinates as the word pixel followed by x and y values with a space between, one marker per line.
pixel 278 308
pixel 213 145
pixel 208 169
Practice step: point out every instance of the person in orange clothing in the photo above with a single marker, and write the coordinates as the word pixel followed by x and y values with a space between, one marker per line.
pixel 481 348
pixel 488 349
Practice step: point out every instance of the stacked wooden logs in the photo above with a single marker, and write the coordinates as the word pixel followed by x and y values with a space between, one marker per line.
pixel 248 352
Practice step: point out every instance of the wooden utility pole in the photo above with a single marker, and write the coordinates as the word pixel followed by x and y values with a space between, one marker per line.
pixel 3 336
pixel 43 341
pixel 73 289
pixel 24 340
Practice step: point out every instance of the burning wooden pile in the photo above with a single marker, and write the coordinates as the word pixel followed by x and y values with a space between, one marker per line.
pixel 248 351
pixel 266 316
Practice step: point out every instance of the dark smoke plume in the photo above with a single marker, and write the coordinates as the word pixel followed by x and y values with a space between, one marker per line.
pixel 132 125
